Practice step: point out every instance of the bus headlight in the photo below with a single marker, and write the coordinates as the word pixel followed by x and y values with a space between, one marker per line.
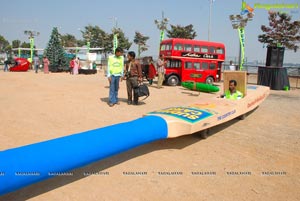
pixel 217 76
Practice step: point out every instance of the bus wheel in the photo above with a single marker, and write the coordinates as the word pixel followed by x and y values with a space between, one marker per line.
pixel 209 80
pixel 173 80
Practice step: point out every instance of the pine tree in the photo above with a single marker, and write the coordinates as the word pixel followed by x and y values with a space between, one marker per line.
pixel 55 52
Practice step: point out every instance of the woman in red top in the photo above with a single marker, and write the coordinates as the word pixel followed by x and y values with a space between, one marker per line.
pixel 71 64
pixel 151 71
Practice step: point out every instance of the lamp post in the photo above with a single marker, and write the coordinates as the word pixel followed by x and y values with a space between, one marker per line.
pixel 209 19
pixel 31 35
pixel 162 26
pixel 88 37
pixel 239 22
pixel 115 34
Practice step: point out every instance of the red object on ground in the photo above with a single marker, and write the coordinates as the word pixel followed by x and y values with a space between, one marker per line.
pixel 21 64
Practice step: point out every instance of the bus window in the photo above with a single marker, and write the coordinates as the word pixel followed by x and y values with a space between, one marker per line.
pixel 197 65
pixel 178 46
pixel 174 64
pixel 220 50
pixel 168 46
pixel 211 49
pixel 165 47
pixel 204 49
pixel 188 47
pixel 177 64
pixel 188 65
pixel 204 66
pixel 196 48
pixel 212 66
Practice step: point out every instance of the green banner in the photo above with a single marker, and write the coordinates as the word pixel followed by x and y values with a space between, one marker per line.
pixel 241 31
pixel 115 42
pixel 88 46
pixel 31 48
pixel 162 35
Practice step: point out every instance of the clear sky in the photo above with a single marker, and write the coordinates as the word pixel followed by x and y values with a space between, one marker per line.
pixel 16 16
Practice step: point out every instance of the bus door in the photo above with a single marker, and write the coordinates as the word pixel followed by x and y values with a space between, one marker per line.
pixel 209 71
pixel 219 72
pixel 199 73
pixel 188 72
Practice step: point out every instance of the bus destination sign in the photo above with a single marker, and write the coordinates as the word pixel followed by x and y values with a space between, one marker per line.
pixel 199 55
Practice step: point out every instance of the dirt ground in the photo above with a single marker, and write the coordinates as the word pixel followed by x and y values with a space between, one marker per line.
pixel 253 159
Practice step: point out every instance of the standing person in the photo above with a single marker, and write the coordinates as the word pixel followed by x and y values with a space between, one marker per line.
pixel 161 70
pixel 115 70
pixel 71 64
pixel 6 62
pixel 231 66
pixel 76 66
pixel 36 63
pixel 151 71
pixel 134 75
pixel 46 64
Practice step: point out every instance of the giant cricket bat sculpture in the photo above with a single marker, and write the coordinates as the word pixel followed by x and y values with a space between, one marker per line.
pixel 32 163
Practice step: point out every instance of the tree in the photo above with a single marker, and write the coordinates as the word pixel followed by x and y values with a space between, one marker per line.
pixel 123 42
pixel 55 52
pixel 181 32
pixel 4 45
pixel 16 43
pixel 140 40
pixel 68 40
pixel 93 35
pixel 282 32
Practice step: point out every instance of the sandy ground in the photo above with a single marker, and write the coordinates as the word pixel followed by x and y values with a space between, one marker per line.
pixel 254 159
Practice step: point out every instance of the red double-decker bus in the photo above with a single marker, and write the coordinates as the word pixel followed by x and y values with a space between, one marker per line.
pixel 192 60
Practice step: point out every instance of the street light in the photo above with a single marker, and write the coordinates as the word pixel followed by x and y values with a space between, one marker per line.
pixel 209 19
pixel 162 26
pixel 239 22
pixel 88 36
pixel 31 35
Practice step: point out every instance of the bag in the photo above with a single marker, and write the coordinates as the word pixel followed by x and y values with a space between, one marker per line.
pixel 142 90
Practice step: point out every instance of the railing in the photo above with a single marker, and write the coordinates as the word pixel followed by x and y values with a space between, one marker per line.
pixel 293 73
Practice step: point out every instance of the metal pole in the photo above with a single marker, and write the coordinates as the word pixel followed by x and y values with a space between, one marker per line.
pixel 209 19
pixel 240 54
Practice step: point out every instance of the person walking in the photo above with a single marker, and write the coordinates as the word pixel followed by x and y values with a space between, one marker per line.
pixel 36 63
pixel 151 71
pixel 46 64
pixel 115 70
pixel 160 70
pixel 134 75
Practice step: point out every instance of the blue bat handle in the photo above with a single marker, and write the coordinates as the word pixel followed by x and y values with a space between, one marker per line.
pixel 29 164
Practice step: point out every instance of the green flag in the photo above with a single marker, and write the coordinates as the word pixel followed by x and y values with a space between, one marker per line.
pixel 241 31
pixel 115 42
pixel 162 35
